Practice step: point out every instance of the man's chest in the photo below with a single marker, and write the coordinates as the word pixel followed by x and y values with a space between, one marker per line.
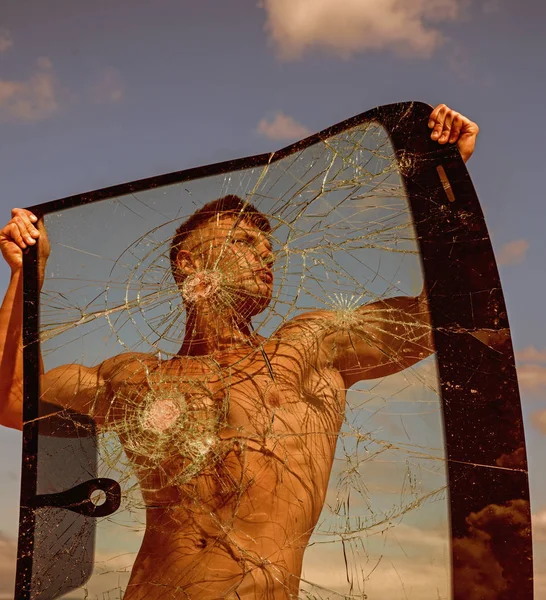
pixel 268 393
pixel 258 420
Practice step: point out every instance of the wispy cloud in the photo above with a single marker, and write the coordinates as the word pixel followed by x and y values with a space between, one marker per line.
pixel 531 354
pixel 6 40
pixel 539 421
pixel 531 374
pixel 32 99
pixel 8 555
pixel 325 572
pixel 352 26
pixel 39 96
pixel 282 127
pixel 513 253
pixel 108 87
pixel 539 525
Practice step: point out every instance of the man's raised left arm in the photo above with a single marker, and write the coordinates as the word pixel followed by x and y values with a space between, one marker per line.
pixel 390 335
pixel 381 339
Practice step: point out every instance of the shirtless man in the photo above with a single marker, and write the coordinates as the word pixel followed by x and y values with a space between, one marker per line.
pixel 233 439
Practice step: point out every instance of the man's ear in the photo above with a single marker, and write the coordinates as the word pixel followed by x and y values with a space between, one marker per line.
pixel 185 264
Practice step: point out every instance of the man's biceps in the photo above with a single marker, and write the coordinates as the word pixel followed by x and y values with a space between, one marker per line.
pixel 69 384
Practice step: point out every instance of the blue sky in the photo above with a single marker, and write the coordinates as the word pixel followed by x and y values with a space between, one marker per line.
pixel 93 94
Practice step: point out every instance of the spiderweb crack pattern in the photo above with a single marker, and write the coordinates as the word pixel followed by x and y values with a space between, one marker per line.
pixel 246 447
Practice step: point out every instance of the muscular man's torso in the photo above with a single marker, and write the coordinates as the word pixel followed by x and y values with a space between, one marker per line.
pixel 233 453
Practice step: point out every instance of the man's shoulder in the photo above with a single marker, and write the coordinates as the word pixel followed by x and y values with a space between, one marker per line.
pixel 127 363
pixel 312 323
pixel 307 318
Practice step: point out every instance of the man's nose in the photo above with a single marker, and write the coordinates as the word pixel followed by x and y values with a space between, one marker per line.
pixel 267 258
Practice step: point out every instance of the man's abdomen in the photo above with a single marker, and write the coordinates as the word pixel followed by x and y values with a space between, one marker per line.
pixel 212 555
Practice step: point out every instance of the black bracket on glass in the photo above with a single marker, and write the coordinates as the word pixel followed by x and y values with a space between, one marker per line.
pixel 79 498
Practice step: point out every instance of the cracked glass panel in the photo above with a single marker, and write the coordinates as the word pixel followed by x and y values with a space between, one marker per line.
pixel 243 364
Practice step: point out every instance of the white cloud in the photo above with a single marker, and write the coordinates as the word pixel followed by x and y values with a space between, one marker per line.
pixel 108 88
pixel 513 253
pixel 6 41
pixel 282 127
pixel 345 28
pixel 531 354
pixel 32 99
pixel 532 377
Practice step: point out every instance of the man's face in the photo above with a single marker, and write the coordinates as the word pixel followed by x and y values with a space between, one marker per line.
pixel 233 260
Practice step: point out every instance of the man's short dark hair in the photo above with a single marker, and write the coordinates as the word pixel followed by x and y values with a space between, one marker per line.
pixel 227 205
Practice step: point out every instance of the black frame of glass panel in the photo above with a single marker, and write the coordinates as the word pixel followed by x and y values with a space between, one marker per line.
pixel 480 398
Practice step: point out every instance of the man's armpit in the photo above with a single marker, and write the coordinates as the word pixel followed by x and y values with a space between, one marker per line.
pixel 356 355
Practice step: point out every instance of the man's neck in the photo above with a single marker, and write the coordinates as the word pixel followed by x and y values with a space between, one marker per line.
pixel 208 332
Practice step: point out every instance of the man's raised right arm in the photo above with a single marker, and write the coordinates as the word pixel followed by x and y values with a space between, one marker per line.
pixel 70 386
